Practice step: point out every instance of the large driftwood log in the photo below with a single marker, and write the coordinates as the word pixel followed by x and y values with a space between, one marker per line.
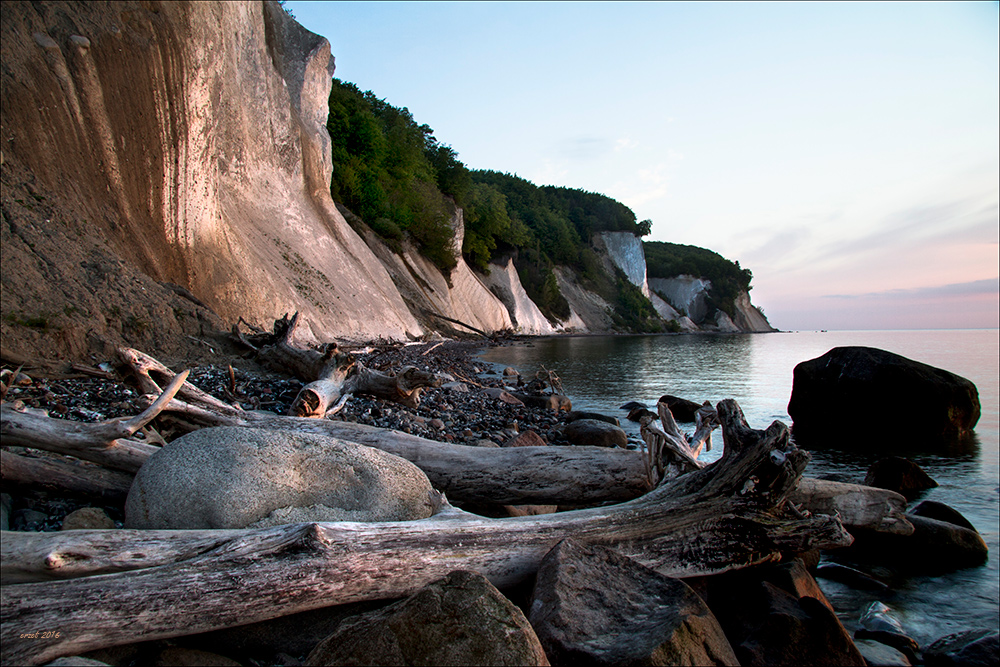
pixel 728 515
pixel 857 506
pixel 63 476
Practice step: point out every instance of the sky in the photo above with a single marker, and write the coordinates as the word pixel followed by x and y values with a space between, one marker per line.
pixel 848 154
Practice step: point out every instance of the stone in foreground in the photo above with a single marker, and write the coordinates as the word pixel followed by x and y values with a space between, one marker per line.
pixel 237 477
pixel 592 605
pixel 862 396
pixel 459 620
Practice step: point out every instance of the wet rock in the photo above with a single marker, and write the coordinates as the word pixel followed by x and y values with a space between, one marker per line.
pixel 973 648
pixel 235 477
pixel 526 439
pixel 877 654
pixel 578 414
pixel 682 409
pixel 459 620
pixel 934 547
pixel 632 405
pixel 594 433
pixel 510 371
pixel 768 625
pixel 883 397
pixel 88 518
pixel 851 577
pixel 636 414
pixel 935 510
pixel 878 624
pixel 900 475
pixel 592 605
pixel 554 402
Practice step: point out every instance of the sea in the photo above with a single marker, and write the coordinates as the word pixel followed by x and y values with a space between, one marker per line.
pixel 602 373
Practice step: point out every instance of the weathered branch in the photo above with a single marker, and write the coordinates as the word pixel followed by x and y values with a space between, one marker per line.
pixel 63 476
pixel 706 522
pixel 106 443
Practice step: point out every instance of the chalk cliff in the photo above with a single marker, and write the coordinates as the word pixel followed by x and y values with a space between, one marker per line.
pixel 166 171
pixel 182 143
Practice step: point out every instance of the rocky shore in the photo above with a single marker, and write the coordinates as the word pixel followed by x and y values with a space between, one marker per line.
pixel 587 602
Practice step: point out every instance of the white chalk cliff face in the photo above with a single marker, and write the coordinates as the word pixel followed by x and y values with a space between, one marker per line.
pixel 191 136
pixel 624 249
pixel 504 282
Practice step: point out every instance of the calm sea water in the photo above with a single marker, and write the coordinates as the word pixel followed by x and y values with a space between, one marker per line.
pixel 602 373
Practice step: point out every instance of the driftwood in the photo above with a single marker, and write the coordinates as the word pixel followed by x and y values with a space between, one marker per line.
pixel 107 443
pixel 726 516
pixel 334 374
pixel 63 476
pixel 669 452
pixel 857 506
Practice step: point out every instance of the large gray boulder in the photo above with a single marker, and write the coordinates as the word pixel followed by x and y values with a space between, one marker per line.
pixel 459 620
pixel 237 477
pixel 864 396
pixel 592 605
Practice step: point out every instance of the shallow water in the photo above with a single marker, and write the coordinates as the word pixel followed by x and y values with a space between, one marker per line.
pixel 602 373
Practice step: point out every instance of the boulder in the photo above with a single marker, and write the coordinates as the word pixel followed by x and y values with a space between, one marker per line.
pixel 459 620
pixel 934 547
pixel 900 475
pixel 878 624
pixel 632 405
pixel 87 518
pixel 682 409
pixel 636 414
pixel 592 605
pixel 973 648
pixel 935 510
pixel 579 414
pixel 769 625
pixel 594 433
pixel 236 477
pixel 855 396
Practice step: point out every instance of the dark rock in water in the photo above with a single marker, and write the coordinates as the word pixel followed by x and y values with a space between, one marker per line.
pixel 974 648
pixel 682 409
pixel 851 577
pixel 934 547
pixel 878 624
pixel 877 654
pixel 635 414
pixel 941 512
pixel 775 623
pixel 594 433
pixel 900 475
pixel 856 396
pixel 632 405
pixel 459 620
pixel 592 605
pixel 578 414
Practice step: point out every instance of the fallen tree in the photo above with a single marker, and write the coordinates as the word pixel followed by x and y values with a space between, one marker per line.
pixel 726 516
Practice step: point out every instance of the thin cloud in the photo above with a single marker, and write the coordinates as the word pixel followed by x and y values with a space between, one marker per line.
pixel 584 148
pixel 974 287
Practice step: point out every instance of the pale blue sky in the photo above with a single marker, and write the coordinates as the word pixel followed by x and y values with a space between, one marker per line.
pixel 847 153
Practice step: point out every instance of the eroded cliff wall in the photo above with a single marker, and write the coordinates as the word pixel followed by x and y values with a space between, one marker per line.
pixel 175 142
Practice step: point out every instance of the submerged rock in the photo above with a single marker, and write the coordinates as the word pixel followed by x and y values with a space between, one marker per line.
pixel 900 475
pixel 682 409
pixel 934 547
pixel 863 396
pixel 973 648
